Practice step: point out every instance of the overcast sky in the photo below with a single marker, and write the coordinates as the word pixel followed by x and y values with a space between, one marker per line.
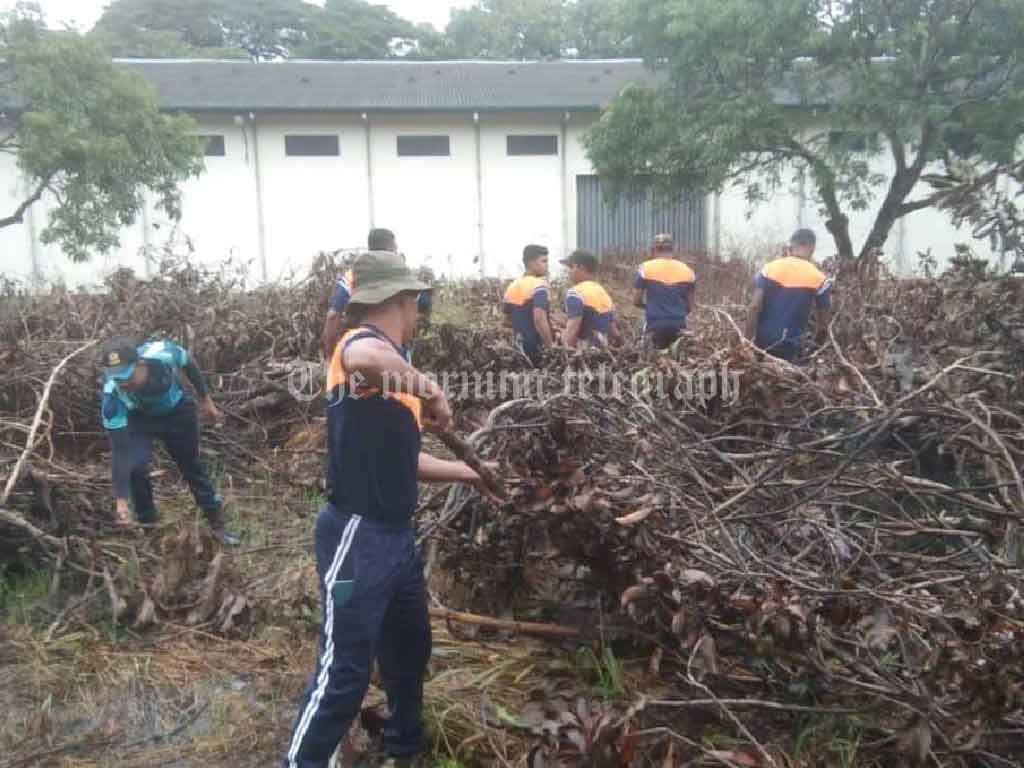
pixel 84 13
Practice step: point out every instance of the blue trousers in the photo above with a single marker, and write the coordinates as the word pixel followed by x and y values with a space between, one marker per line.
pixel 374 607
pixel 132 451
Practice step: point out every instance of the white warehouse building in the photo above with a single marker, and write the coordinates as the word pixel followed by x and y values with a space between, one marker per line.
pixel 465 161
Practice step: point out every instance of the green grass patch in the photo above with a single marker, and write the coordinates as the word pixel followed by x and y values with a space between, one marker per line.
pixel 22 594
pixel 605 669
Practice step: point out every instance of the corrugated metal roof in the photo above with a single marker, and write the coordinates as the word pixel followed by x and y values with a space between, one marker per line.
pixel 399 86
pixel 224 85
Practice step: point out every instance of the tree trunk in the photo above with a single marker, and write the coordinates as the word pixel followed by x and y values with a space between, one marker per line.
pixel 839 228
pixel 890 212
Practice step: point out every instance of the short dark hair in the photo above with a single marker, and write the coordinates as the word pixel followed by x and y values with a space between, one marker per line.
pixel 664 243
pixel 583 258
pixel 532 253
pixel 381 240
pixel 803 237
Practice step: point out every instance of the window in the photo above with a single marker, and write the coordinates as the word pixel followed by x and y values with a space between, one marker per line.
pixel 851 141
pixel 533 145
pixel 311 145
pixel 424 146
pixel 213 146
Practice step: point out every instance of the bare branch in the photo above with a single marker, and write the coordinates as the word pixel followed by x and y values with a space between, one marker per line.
pixel 18 216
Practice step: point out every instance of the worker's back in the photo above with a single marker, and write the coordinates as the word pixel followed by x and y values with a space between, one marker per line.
pixel 667 284
pixel 791 286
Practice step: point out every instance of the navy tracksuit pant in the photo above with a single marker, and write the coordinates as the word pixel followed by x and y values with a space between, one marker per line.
pixel 374 607
pixel 132 451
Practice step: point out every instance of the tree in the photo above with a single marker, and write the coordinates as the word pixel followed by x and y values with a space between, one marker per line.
pixel 980 197
pixel 540 29
pixel 259 29
pixel 752 91
pixel 508 29
pixel 353 29
pixel 600 29
pixel 88 135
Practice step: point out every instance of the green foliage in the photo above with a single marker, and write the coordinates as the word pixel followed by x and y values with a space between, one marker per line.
pixel 600 29
pixel 606 668
pixel 355 29
pixel 508 29
pixel 217 28
pixel 758 90
pixel 21 594
pixel 91 136
pixel 539 29
pixel 258 29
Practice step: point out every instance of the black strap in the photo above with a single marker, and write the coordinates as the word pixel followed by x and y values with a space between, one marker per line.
pixel 367 331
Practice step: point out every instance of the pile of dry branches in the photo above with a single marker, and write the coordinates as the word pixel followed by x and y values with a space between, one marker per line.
pixel 838 540
pixel 253 345
pixel 797 553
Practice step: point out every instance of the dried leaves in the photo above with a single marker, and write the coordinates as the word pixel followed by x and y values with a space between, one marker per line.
pixel 802 546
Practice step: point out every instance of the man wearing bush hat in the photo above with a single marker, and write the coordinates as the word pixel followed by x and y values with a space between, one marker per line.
pixel 142 401
pixel 369 566
pixel 381 240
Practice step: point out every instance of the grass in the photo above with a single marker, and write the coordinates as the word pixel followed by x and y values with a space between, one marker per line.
pixel 606 671
pixel 837 738
pixel 21 594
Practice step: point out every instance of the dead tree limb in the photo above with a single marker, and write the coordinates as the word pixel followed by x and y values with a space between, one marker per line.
pixel 507 625
pixel 30 444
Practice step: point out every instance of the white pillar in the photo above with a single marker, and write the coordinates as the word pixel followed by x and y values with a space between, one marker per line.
pixel 479 194
pixel 369 171
pixel 258 180
pixel 564 152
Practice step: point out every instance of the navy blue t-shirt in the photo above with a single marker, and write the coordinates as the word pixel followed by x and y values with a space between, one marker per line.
pixel 373 444
pixel 523 295
pixel 791 287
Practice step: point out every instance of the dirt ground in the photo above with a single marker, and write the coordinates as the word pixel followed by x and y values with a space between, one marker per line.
pixel 180 696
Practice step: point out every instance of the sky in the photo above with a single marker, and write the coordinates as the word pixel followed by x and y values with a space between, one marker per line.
pixel 84 13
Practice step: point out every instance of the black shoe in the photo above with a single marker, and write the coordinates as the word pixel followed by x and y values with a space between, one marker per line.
pixel 218 528
pixel 226 537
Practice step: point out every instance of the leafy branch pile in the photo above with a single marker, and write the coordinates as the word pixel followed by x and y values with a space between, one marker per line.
pixel 251 345
pixel 818 547
pixel 799 556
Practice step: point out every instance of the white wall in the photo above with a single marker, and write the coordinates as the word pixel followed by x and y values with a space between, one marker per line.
pixel 522 195
pixel 218 208
pixel 430 203
pixel 756 229
pixel 311 204
pixel 16 260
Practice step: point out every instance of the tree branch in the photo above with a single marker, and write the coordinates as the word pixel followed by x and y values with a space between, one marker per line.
pixel 916 205
pixel 838 224
pixel 899 151
pixel 19 214
pixel 923 150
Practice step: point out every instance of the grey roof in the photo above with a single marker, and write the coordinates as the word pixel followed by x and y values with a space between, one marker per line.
pixel 397 86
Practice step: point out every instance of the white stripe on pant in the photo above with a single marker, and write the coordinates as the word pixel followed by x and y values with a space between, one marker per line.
pixel 327 659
